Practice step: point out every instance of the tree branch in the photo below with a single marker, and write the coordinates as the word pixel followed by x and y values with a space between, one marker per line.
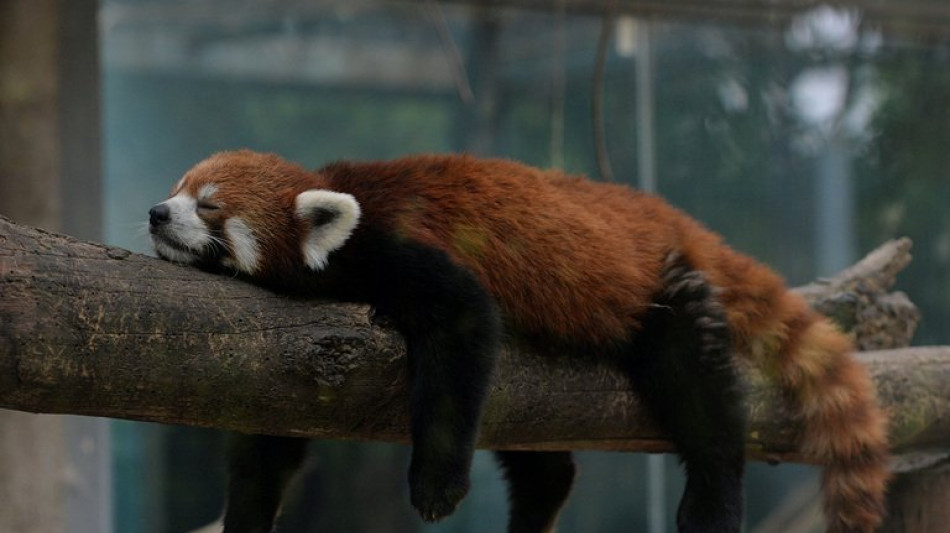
pixel 93 330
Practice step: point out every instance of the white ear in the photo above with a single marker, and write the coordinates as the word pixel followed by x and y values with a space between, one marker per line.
pixel 330 219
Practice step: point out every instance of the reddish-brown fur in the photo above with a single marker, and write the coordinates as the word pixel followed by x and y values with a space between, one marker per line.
pixel 581 261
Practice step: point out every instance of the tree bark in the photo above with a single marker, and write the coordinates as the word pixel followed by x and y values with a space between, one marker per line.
pixel 89 329
pixel 918 501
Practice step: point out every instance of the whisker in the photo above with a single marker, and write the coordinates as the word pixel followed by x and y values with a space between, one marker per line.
pixel 138 227
pixel 215 244
pixel 141 228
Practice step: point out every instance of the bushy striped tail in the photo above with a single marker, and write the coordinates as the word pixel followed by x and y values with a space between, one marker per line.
pixel 800 350
pixel 843 427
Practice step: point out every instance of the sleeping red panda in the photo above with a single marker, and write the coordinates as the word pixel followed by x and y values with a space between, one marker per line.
pixel 454 248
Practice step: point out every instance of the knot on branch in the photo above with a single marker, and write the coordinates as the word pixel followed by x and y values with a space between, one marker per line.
pixel 860 301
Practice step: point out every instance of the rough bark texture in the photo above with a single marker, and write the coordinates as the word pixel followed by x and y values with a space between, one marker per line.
pixel 88 329
pixel 919 501
pixel 858 299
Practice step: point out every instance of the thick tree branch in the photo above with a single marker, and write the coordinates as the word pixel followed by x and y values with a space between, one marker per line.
pixel 88 329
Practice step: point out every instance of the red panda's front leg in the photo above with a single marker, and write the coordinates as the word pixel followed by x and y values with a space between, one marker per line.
pixel 452 329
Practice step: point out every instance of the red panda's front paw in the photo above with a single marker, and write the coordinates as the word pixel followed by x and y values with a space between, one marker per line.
pixel 437 496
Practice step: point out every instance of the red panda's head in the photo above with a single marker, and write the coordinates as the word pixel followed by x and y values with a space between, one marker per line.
pixel 254 213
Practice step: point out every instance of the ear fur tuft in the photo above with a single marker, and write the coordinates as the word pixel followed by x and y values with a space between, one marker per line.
pixel 330 218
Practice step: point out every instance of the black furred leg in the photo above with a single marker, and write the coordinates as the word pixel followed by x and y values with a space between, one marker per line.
pixel 453 333
pixel 259 469
pixel 451 362
pixel 681 365
pixel 538 486
pixel 450 373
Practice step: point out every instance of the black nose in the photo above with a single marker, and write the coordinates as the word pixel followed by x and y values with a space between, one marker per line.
pixel 158 215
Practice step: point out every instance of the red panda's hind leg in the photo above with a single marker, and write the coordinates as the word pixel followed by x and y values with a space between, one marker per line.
pixel 681 366
pixel 259 469
pixel 538 485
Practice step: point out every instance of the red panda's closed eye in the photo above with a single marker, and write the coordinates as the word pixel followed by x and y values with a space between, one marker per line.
pixel 207 207
pixel 206 204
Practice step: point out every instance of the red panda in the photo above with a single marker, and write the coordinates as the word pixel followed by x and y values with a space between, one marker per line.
pixel 455 248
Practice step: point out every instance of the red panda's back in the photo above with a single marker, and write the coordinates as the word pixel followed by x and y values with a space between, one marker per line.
pixel 754 295
pixel 558 260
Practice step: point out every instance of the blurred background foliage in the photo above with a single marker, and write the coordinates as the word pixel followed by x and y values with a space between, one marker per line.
pixel 806 140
